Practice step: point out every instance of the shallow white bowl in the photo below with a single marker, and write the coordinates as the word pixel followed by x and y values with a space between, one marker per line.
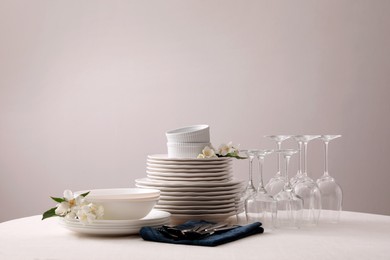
pixel 185 150
pixel 189 134
pixel 124 204
pixel 122 193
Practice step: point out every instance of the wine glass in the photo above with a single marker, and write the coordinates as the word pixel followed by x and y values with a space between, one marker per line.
pixel 250 188
pixel 299 174
pixel 306 188
pixel 276 183
pixel 261 206
pixel 289 205
pixel 332 195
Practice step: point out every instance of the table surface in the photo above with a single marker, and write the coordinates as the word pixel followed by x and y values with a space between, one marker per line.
pixel 357 236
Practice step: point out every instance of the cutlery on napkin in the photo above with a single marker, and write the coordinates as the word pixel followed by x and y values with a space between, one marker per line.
pixel 201 233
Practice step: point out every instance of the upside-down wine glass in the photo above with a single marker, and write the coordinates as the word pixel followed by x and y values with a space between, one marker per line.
pixel 332 195
pixel 299 174
pixel 289 205
pixel 261 206
pixel 307 189
pixel 250 188
pixel 276 183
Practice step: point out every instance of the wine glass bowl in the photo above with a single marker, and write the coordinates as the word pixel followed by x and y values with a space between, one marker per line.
pixel 304 186
pixel 311 195
pixel 289 205
pixel 276 183
pixel 261 206
pixel 331 192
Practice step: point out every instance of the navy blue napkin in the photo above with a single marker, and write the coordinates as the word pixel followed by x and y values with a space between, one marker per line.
pixel 219 238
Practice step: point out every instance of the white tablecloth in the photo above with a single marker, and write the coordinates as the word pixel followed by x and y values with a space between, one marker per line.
pixel 358 236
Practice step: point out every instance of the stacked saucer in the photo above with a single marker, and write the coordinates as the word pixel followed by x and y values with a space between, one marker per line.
pixel 117 227
pixel 193 188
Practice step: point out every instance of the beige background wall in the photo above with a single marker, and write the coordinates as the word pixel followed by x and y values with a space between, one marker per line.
pixel 88 89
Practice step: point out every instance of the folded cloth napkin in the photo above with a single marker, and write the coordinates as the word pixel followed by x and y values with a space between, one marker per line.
pixel 218 238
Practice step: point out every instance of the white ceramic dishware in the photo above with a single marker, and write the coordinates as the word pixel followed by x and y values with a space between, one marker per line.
pixel 189 134
pixel 124 204
pixel 122 193
pixel 185 150
pixel 193 188
pixel 117 227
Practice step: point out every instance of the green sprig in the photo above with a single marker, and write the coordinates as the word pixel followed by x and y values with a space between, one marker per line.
pixel 59 200
pixel 50 213
pixel 232 155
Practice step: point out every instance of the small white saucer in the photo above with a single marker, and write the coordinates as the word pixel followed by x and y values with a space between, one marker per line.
pixel 117 227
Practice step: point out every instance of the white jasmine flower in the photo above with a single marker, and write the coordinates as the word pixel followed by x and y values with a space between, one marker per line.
pixel 84 214
pixel 200 156
pixel 98 210
pixel 71 207
pixel 89 213
pixel 66 206
pixel 223 149
pixel 226 149
pixel 62 208
pixel 208 152
pixel 68 195
pixel 72 213
pixel 79 200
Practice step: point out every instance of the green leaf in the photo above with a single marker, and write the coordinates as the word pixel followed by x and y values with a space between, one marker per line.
pixel 85 194
pixel 59 200
pixel 50 213
pixel 232 155
pixel 235 156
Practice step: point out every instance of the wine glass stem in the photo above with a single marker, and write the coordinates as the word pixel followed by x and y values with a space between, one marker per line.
pixel 300 157
pixel 288 184
pixel 305 158
pixel 279 146
pixel 250 172
pixel 326 173
pixel 261 184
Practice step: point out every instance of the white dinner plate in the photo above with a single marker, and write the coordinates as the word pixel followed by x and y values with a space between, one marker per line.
pixel 117 227
pixel 164 157
pixel 203 171
pixel 195 190
pixel 201 211
pixel 189 184
pixel 189 163
pixel 107 231
pixel 94 226
pixel 163 178
pixel 221 206
pixel 191 174
pixel 193 202
pixel 208 192
pixel 153 217
pixel 193 166
pixel 199 198
pixel 180 218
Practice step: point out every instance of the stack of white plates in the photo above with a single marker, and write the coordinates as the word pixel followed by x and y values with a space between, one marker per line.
pixel 117 227
pixel 193 188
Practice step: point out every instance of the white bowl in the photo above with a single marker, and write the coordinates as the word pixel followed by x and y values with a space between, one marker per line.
pixel 122 193
pixel 185 150
pixel 124 204
pixel 189 134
